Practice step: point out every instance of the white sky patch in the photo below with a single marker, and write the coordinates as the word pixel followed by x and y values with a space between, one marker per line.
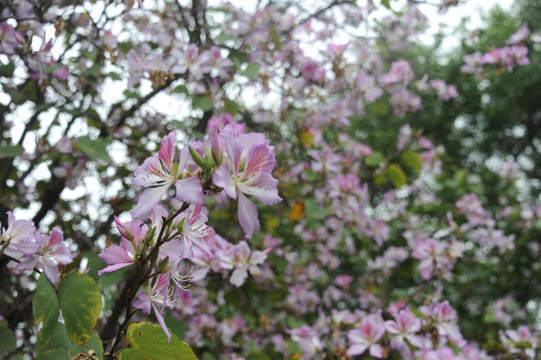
pixel 448 21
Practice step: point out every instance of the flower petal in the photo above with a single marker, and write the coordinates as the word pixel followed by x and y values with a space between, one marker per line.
pixel 247 215
pixel 159 317
pixel 356 349
pixel 167 150
pixel 147 200
pixel 222 178
pixel 238 277
pixel 189 190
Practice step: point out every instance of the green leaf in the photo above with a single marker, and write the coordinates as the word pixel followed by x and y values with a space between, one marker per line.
pixel 208 356
pixel 494 346
pixel 386 3
pixel 129 354
pixel 251 70
pixel 374 159
pixel 93 149
pixel 55 354
pixel 397 176
pixel 380 108
pixel 523 344
pixel 94 70
pixel 8 342
pixel 238 58
pixel 80 302
pixel 96 345
pixel 45 307
pixel 180 89
pixel 10 151
pixel 94 119
pixel 177 124
pixel 455 347
pixel 176 326
pixel 7 70
pixel 417 312
pixel 412 160
pixel 226 37
pixel 274 38
pixel 130 94
pixel 28 91
pixel 114 76
pixel 231 107
pixel 314 212
pixel 60 346
pixel 51 68
pixel 125 46
pixel 219 9
pixel 379 177
pixel 44 107
pixel 94 263
pixel 204 103
pixel 60 339
pixel 112 278
pixel 147 341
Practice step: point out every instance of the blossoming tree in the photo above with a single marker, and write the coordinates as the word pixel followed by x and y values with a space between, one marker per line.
pixel 232 182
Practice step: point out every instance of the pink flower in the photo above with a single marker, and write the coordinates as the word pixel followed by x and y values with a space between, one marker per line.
pixel 245 260
pixel 194 231
pixel 366 336
pixel 248 163
pixel 308 340
pixel 520 35
pixel 343 280
pixel 400 73
pixel 444 91
pixel 445 318
pixel 433 258
pixel 158 174
pixel 220 122
pixel 511 338
pixel 17 239
pixel 154 297
pixel 127 253
pixel 9 38
pixel 403 327
pixel 51 253
pixel 473 63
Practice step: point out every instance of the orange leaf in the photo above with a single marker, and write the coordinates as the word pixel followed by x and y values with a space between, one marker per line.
pixel 297 212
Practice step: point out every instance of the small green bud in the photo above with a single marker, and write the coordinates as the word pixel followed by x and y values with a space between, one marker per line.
pixel 197 158
pixel 163 265
pixel 209 157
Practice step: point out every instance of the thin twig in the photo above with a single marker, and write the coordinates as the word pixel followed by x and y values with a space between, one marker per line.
pixel 143 274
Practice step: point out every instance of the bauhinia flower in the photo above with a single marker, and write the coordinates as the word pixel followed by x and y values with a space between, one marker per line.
pixel 193 230
pixel 17 239
pixel 132 238
pixel 404 327
pixel 366 336
pixel 308 340
pixel 245 260
pixel 155 296
pixel 30 250
pixel 158 174
pixel 247 167
pixel 51 252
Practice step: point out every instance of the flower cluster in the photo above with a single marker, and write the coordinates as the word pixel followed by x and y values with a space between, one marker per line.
pixel 239 163
pixel 509 56
pixel 30 250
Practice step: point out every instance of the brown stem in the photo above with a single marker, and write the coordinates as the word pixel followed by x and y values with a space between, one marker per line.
pixel 143 274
